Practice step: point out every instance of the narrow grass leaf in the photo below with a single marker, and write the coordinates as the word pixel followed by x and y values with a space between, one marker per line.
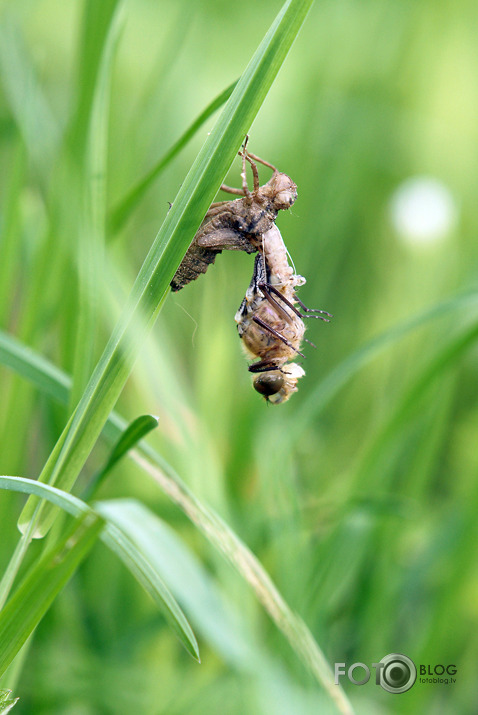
pixel 42 584
pixel 95 26
pixel 170 245
pixel 92 219
pixel 333 383
pixel 135 431
pixel 411 401
pixel 49 379
pixel 6 701
pixel 125 207
pixel 26 98
pixel 9 231
pixel 224 539
pixel 132 557
pixel 189 580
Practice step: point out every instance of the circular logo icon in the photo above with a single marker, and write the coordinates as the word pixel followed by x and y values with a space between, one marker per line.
pixel 398 673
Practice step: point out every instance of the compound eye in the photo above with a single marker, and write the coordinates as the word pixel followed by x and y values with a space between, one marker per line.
pixel 268 383
pixel 284 199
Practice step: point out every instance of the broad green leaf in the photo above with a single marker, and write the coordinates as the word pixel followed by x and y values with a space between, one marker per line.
pixel 42 584
pixel 170 245
pixel 132 556
pixel 135 431
pixel 125 207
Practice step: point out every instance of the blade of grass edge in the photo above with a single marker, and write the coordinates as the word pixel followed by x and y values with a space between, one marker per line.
pixel 120 213
pixel 52 381
pixel 92 219
pixel 124 548
pixel 55 382
pixel 211 525
pixel 7 702
pixel 42 584
pixel 170 245
pixel 135 431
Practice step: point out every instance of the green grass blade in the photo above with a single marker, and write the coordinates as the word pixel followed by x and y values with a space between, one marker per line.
pixel 135 431
pixel 43 583
pixel 221 536
pixel 328 388
pixel 133 557
pixel 6 701
pixel 34 368
pixel 170 245
pixel 191 582
pixel 408 406
pixel 29 106
pixel 91 234
pixel 224 539
pixel 9 228
pixel 125 207
pixel 47 377
pixel 96 23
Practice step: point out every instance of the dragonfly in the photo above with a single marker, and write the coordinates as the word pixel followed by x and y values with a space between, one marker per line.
pixel 270 323
pixel 240 224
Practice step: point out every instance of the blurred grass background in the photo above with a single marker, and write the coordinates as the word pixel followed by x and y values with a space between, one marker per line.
pixel 362 507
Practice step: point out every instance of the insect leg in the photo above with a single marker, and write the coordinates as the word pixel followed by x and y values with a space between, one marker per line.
pixel 231 190
pixel 216 207
pixel 276 334
pixel 267 289
pixel 255 173
pixel 264 288
pixel 245 187
pixel 273 289
pixel 263 366
pixel 261 161
pixel 312 310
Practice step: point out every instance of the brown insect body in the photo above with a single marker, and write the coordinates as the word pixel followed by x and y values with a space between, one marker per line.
pixel 237 225
pixel 269 323
pixel 270 326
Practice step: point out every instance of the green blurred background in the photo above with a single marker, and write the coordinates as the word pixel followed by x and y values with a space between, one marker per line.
pixel 362 502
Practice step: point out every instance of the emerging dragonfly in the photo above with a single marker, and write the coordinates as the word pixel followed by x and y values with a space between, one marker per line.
pixel 270 324
pixel 237 225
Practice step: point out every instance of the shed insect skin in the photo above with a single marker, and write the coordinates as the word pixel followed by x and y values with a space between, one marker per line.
pixel 237 225
pixel 269 323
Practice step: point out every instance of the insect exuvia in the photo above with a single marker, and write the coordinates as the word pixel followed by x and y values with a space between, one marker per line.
pixel 269 323
pixel 237 225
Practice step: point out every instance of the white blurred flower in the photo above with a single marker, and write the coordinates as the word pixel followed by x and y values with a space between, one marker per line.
pixel 423 211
